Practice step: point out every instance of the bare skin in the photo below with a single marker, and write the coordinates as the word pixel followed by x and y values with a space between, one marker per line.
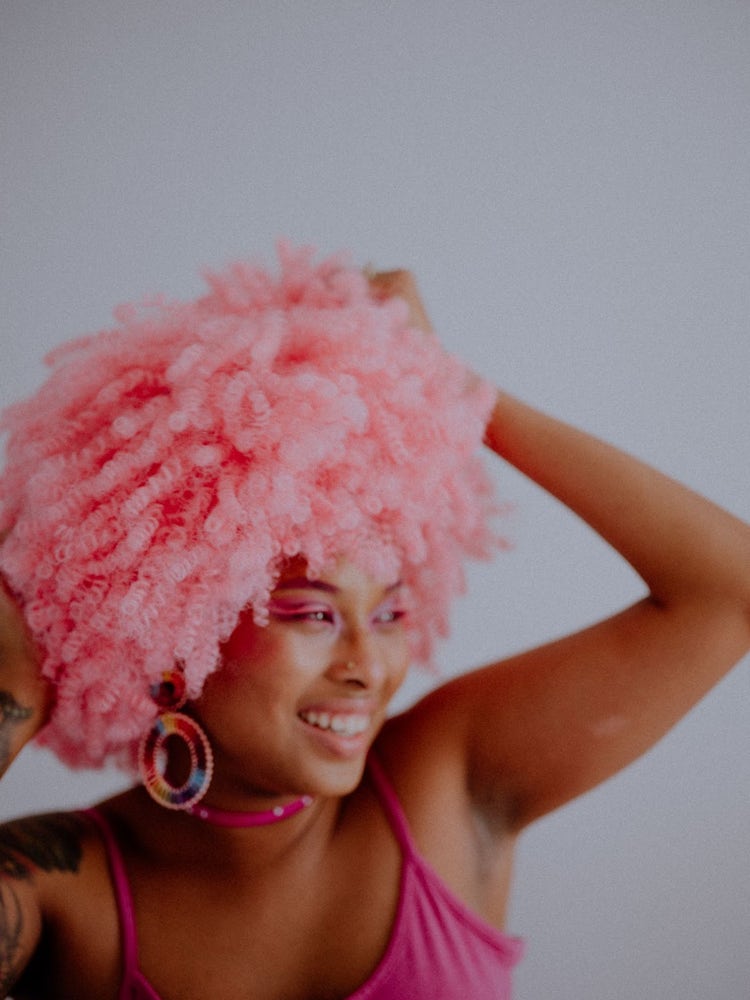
pixel 497 748
pixel 24 697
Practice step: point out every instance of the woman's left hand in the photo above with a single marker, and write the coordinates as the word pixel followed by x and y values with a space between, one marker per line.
pixel 403 285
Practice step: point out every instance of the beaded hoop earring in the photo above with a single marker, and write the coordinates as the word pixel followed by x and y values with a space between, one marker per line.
pixel 170 696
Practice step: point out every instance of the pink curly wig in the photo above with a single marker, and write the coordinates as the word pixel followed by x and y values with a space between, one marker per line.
pixel 156 482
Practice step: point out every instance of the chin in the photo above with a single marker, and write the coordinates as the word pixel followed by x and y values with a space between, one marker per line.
pixel 336 780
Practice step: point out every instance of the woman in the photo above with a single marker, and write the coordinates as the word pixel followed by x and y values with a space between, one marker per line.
pixel 241 632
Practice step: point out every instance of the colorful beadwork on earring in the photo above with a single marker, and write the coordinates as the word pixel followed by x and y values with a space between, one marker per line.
pixel 171 691
pixel 169 694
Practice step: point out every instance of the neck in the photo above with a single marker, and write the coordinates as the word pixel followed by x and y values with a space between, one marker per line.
pixel 221 817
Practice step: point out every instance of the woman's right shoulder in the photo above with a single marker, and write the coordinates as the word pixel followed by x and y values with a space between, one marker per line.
pixel 52 869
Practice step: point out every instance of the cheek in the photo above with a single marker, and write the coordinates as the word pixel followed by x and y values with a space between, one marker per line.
pixel 246 640
pixel 263 659
pixel 254 650
pixel 243 693
pixel 399 660
pixel 243 656
pixel 402 673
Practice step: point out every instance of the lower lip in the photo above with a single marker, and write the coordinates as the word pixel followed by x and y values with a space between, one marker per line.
pixel 337 744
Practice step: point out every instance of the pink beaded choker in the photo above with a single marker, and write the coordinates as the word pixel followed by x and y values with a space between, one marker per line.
pixel 220 817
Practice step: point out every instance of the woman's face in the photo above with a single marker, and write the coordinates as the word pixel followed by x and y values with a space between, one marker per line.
pixel 298 702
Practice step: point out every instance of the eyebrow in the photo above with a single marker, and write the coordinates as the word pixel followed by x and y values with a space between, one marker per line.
pixel 304 583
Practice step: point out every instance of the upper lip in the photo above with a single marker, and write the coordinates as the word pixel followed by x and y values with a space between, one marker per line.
pixel 341 706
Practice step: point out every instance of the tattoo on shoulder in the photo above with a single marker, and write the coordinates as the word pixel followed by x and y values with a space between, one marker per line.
pixel 11 715
pixel 50 843
pixel 11 929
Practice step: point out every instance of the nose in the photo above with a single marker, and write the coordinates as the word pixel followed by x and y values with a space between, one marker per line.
pixel 358 661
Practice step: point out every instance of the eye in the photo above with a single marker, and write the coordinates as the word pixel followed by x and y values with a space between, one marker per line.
pixel 315 616
pixel 301 612
pixel 389 615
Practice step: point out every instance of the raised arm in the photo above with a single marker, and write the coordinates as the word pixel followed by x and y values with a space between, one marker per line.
pixel 24 703
pixel 561 718
pixel 24 696
pixel 538 729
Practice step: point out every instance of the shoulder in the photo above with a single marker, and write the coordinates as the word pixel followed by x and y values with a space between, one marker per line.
pixel 423 755
pixel 56 907
pixel 428 773
pixel 47 843
pixel 424 751
pixel 36 854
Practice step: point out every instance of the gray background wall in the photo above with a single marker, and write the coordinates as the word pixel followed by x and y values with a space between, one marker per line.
pixel 570 182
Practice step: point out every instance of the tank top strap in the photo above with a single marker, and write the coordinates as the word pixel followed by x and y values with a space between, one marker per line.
pixel 391 805
pixel 121 886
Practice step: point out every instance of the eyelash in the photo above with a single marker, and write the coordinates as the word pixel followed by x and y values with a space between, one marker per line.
pixel 313 616
pixel 300 615
pixel 294 612
pixel 395 615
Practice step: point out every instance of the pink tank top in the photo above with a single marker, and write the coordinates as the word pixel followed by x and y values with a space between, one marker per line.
pixel 438 949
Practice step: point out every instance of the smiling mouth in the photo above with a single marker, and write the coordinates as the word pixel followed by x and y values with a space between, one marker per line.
pixel 340 725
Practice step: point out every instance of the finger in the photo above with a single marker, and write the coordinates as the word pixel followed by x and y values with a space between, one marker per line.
pixel 401 284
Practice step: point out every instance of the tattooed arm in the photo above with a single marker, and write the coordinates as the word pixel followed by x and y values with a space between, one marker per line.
pixel 31 850
pixel 22 711
pixel 24 696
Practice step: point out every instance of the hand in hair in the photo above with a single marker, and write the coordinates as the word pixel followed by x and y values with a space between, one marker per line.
pixel 403 285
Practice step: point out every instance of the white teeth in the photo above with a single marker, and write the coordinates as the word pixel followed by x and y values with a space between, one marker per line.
pixel 342 725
